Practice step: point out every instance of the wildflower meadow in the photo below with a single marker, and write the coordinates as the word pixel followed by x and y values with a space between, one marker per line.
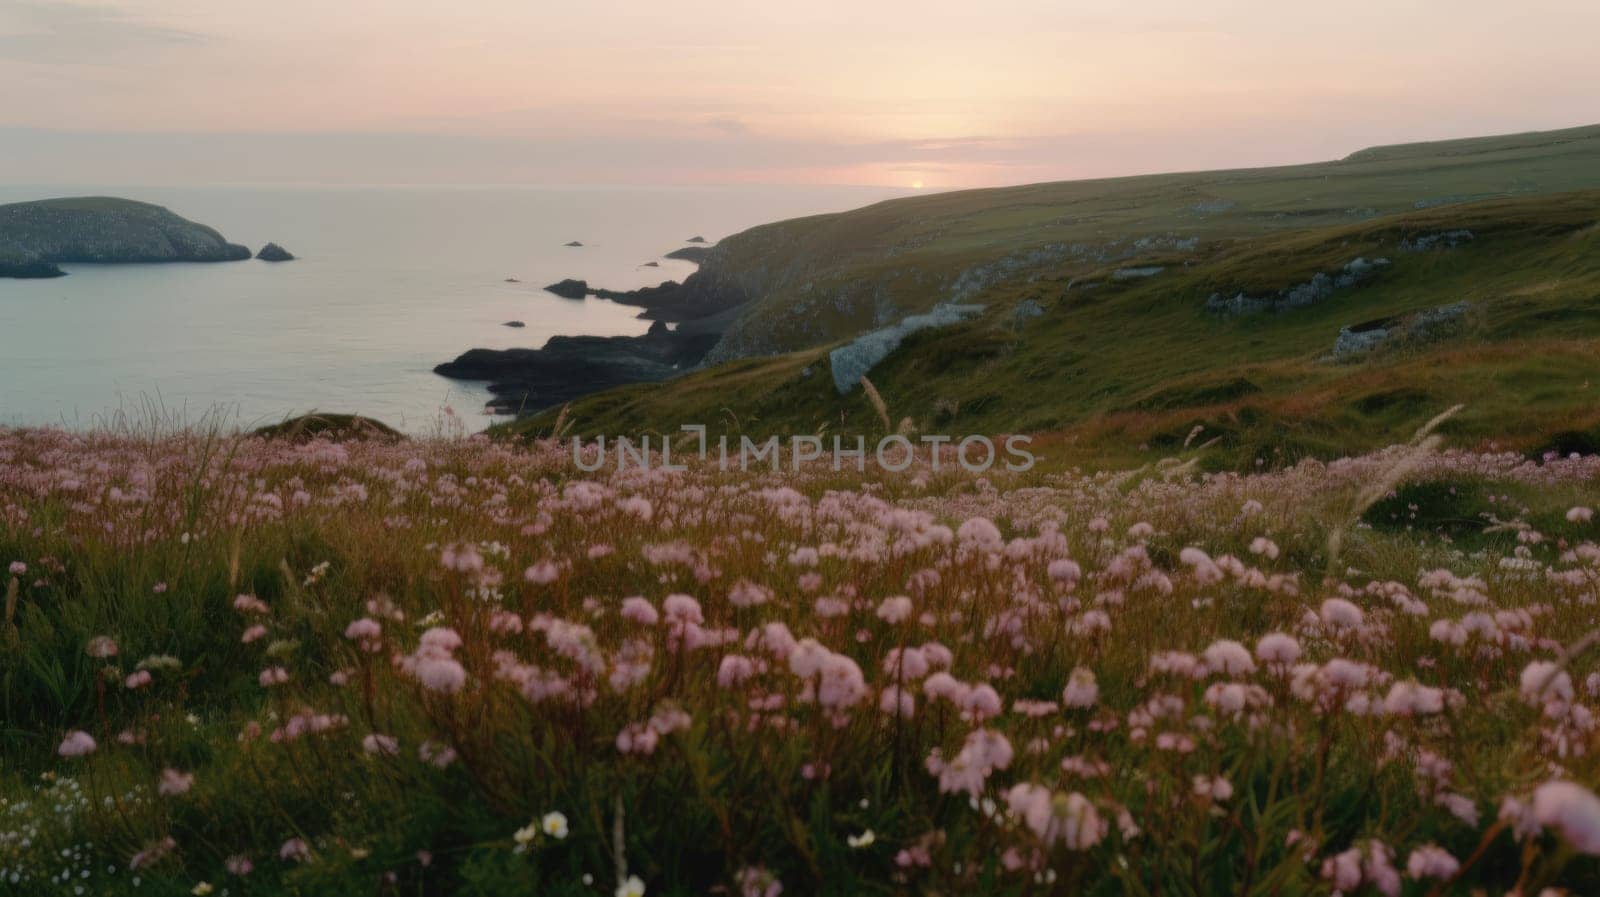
pixel 233 666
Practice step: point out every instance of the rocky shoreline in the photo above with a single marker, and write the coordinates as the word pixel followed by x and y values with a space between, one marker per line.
pixel 567 367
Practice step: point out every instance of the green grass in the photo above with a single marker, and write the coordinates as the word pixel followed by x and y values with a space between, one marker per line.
pixel 148 539
pixel 829 276
pixel 1133 364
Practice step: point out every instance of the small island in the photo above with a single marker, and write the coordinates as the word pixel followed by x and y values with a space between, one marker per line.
pixel 569 288
pixel 37 236
pixel 272 252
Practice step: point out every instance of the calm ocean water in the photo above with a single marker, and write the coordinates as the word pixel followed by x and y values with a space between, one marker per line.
pixel 389 282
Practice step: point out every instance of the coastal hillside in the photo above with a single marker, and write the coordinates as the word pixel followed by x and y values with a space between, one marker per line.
pixel 1316 337
pixel 36 236
pixel 813 280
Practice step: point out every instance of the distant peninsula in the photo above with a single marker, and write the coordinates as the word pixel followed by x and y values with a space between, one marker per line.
pixel 36 237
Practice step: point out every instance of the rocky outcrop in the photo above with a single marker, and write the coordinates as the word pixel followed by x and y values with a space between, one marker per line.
pixel 696 254
pixel 853 361
pixel 1449 239
pixel 1026 310
pixel 514 324
pixel 573 245
pixel 1140 273
pixel 1313 291
pixel 103 230
pixel 272 252
pixel 1424 326
pixel 569 288
pixel 336 427
pixel 696 239
pixel 526 380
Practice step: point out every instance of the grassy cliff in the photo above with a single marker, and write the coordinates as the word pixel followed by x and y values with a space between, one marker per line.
pixel 1136 362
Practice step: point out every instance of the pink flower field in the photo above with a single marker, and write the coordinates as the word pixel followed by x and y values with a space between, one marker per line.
pixel 237 666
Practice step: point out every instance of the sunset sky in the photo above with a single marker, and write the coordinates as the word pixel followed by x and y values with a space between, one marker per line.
pixel 886 92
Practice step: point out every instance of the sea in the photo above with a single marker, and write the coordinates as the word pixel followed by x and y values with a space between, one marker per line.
pixel 387 283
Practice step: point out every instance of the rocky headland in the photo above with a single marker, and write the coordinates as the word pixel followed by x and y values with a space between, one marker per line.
pixel 36 236
pixel 525 380
pixel 700 310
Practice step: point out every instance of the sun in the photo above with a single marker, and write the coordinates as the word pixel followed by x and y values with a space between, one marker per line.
pixel 916 185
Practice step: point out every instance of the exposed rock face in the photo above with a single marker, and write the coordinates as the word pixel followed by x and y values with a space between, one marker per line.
pixel 1423 326
pixel 1359 339
pixel 1125 274
pixel 272 252
pixel 106 230
pixel 1311 292
pixel 1449 239
pixel 852 362
pixel 1026 309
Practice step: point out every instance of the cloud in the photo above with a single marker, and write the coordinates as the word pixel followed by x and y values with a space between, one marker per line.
pixel 68 33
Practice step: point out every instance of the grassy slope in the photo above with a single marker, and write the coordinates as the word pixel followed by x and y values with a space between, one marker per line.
pixel 830 276
pixel 1143 362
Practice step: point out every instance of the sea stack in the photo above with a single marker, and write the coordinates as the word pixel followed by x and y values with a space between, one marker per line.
pixel 272 252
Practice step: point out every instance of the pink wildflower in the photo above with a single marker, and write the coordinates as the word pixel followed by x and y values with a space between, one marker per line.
pixel 1341 614
pixel 101 647
pixel 638 610
pixel 542 573
pixel 77 744
pixel 174 782
pixel 1230 657
pixel 295 850
pixel 1572 810
pixel 734 670
pixel 1082 690
pixel 894 609
pixel 442 674
pixel 1277 648
pixel 1431 861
